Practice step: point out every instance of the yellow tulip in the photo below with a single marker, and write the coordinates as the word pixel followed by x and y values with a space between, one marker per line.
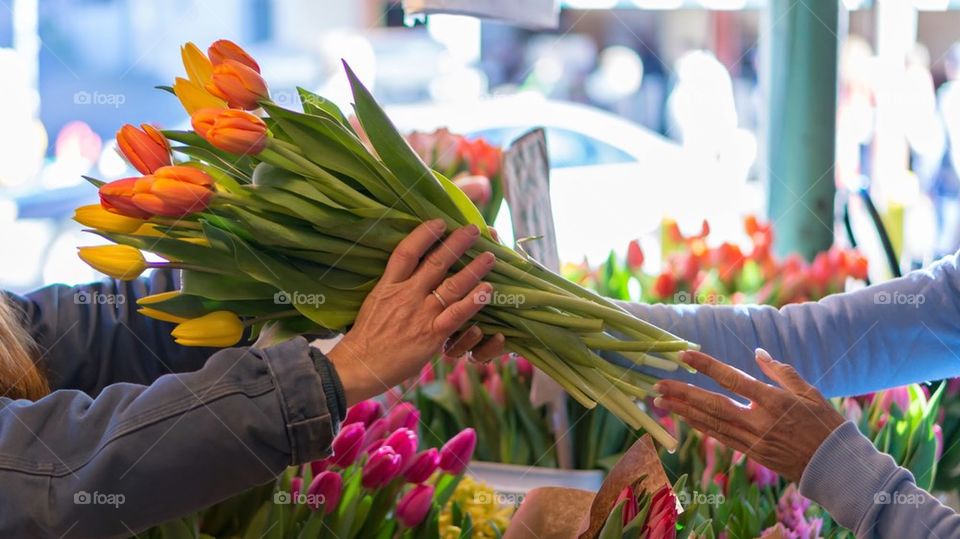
pixel 157 298
pixel 194 97
pixel 203 242
pixel 95 216
pixel 162 316
pixel 198 66
pixel 149 229
pixel 218 329
pixel 118 261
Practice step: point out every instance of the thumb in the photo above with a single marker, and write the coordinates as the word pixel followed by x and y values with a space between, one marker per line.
pixel 784 375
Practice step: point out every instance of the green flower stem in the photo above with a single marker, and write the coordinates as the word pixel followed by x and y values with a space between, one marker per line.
pixel 551 365
pixel 610 343
pixel 290 313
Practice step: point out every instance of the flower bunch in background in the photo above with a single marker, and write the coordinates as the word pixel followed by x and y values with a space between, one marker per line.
pixel 640 514
pixel 493 399
pixel 459 158
pixel 695 272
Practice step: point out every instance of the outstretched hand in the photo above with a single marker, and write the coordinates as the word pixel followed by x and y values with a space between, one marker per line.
pixel 413 310
pixel 781 427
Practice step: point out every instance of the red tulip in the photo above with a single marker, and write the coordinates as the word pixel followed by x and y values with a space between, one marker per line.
pixel 455 455
pixel 414 506
pixel 634 256
pixel 665 285
pixel 494 386
pixel 146 149
pixel 224 49
pixel 237 84
pixel 348 444
pixel 422 466
pixel 382 466
pixel 630 509
pixel 404 442
pixel 325 489
pixel 365 412
pixel 524 368
pixel 375 433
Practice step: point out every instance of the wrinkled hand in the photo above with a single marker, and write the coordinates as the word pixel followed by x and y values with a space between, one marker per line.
pixel 402 324
pixel 780 428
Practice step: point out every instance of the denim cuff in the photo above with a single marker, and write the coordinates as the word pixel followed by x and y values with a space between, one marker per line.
pixel 301 389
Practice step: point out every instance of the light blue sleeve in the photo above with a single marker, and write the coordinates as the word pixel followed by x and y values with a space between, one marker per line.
pixel 894 333
pixel 864 490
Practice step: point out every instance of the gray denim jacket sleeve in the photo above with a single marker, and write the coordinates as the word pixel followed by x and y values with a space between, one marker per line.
pixel 138 454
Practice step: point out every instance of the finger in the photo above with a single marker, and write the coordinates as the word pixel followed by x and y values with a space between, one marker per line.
pixel 716 425
pixel 494 234
pixel 733 441
pixel 406 256
pixel 457 286
pixel 460 312
pixel 489 349
pixel 723 408
pixel 461 343
pixel 436 264
pixel 729 378
pixel 784 375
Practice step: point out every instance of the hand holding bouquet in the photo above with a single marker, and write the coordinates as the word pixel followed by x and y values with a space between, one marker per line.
pixel 286 218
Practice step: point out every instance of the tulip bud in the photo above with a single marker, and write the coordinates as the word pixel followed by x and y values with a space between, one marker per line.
pixel 195 97
pixel 422 466
pixel 95 216
pixel 414 506
pixel 237 84
pixel 348 444
pixel 404 442
pixel 224 49
pixel 365 412
pixel 455 455
pixel 319 466
pixel 230 130
pixel 174 191
pixel 524 368
pixel 630 509
pixel 494 386
pixel 296 487
pixel 325 489
pixel 634 255
pixel 382 466
pixel 403 415
pixel 217 329
pixel 377 430
pixel 117 197
pixel 146 149
pixel 198 66
pixel 118 261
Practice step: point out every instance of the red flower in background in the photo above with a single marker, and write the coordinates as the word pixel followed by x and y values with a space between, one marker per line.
pixel 665 285
pixel 634 255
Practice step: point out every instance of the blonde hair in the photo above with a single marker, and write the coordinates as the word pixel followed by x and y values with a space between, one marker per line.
pixel 19 376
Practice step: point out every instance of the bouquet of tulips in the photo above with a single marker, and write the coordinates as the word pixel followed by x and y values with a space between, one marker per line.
pixel 641 515
pixel 287 218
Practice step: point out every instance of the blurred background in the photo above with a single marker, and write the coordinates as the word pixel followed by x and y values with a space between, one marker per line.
pixel 654 108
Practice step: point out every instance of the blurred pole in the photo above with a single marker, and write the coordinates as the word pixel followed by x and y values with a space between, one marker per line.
pixel 26 38
pixel 801 66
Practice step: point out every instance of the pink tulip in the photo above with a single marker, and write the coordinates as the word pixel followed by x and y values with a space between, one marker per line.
pixel 325 490
pixel 422 466
pixel 318 466
pixel 524 368
pixel 296 486
pixel 382 466
pixel 460 380
pixel 760 475
pixel 375 432
pixel 494 386
pixel 348 444
pixel 852 410
pixel 427 374
pixel 404 443
pixel 662 519
pixel 414 506
pixel 365 412
pixel 938 436
pixel 630 505
pixel 455 455
pixel 897 395
pixel 403 415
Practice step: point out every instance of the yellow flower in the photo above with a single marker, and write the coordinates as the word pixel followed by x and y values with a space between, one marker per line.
pixel 203 242
pixel 480 501
pixel 218 329
pixel 95 216
pixel 157 298
pixel 157 314
pixel 149 229
pixel 118 261
pixel 194 97
pixel 198 66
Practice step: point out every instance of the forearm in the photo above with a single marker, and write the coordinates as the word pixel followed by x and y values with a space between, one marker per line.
pixel 166 450
pixel 864 490
pixel 846 344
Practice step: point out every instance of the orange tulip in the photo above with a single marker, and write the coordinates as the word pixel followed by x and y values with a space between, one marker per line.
pixel 231 130
pixel 117 196
pixel 239 85
pixel 145 149
pixel 174 191
pixel 224 49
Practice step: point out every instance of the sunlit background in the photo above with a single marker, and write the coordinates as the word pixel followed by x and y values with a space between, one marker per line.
pixel 653 108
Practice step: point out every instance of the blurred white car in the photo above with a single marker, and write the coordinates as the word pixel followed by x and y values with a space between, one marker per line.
pixel 611 180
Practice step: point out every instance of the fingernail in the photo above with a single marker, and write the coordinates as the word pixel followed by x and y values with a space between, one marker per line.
pixel 437 225
pixel 473 230
pixel 658 402
pixel 488 258
pixel 763 355
pixel 658 387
